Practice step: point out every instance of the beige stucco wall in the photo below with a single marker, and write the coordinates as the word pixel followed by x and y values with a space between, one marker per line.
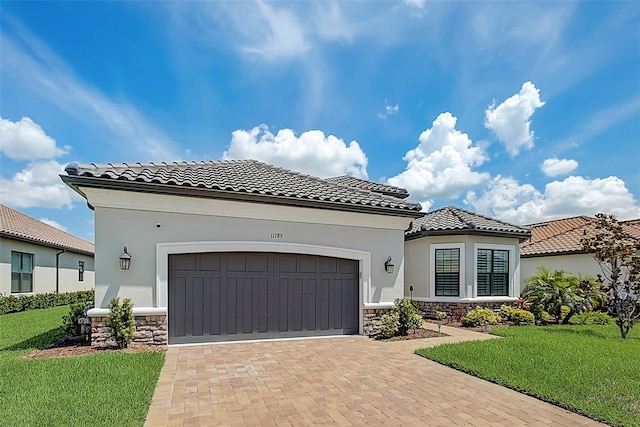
pixel 44 272
pixel 142 221
pixel 418 265
pixel 577 264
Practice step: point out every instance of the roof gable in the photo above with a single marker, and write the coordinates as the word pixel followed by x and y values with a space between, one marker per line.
pixel 247 180
pixel 18 226
pixel 453 220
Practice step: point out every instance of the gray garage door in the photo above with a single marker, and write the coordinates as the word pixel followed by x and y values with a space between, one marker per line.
pixel 240 296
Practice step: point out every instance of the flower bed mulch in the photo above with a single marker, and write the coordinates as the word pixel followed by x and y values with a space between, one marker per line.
pixel 76 346
pixel 414 335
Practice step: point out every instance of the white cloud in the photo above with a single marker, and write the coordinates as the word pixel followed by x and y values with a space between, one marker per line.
pixel 416 3
pixel 38 185
pixel 389 110
pixel 555 166
pixel 312 152
pixel 25 140
pixel 28 62
pixel 280 34
pixel 54 224
pixel 511 120
pixel 505 198
pixel 440 166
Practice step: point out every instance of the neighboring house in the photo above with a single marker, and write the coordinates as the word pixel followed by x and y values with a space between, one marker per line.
pixel 236 250
pixel 455 258
pixel 557 245
pixel 38 258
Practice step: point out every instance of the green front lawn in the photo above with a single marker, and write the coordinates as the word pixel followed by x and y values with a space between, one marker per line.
pixel 103 389
pixel 586 369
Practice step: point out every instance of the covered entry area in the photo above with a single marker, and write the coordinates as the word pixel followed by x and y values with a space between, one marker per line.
pixel 227 296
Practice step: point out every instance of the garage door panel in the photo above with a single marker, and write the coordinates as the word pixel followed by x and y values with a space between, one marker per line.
pixel 178 320
pixel 287 263
pixel 336 303
pixel 346 266
pixel 184 262
pixel 215 308
pixel 236 262
pixel 260 305
pixel 238 296
pixel 196 295
pixel 328 265
pixel 258 263
pixel 210 262
pixel 309 319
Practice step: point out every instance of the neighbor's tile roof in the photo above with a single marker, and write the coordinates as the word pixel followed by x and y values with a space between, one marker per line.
pixel 453 220
pixel 18 226
pixel 244 179
pixel 563 236
pixel 377 187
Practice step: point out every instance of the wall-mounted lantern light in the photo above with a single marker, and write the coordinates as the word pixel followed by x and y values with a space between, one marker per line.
pixel 388 265
pixel 125 260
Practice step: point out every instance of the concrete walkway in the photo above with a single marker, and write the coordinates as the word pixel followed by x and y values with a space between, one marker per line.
pixel 343 381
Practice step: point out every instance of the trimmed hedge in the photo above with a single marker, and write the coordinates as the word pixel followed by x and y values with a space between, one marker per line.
pixel 14 304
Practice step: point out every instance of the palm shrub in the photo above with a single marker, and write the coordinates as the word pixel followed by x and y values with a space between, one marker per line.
pixel 549 290
pixel 402 317
pixel 121 322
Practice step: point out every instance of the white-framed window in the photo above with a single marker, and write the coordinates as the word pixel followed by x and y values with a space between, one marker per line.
pixel 447 270
pixel 21 272
pixel 493 270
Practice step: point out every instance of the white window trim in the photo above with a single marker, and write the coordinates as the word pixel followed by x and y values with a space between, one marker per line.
pixel 512 270
pixel 432 271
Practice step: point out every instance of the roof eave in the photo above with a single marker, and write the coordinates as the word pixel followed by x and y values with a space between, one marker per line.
pixel 43 243
pixel 559 253
pixel 467 231
pixel 155 188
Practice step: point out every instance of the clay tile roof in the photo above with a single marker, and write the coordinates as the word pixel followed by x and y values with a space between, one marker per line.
pixel 563 236
pixel 248 180
pixel 453 220
pixel 376 187
pixel 18 226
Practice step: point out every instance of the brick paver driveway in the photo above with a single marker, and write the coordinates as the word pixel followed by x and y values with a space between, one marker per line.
pixel 343 381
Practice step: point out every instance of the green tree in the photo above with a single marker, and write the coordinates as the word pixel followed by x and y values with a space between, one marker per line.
pixel 550 290
pixel 616 251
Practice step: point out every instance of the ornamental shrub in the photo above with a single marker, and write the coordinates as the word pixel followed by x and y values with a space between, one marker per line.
pixel 506 311
pixel 17 303
pixel 522 317
pixel 389 325
pixel 121 322
pixel 480 316
pixel 402 317
pixel 516 315
pixel 70 323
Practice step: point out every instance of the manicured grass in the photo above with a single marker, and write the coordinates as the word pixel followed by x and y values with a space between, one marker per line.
pixel 586 369
pixel 103 389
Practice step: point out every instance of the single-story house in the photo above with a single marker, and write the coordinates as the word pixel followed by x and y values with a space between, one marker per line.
pixel 236 250
pixel 38 258
pixel 557 245
pixel 456 258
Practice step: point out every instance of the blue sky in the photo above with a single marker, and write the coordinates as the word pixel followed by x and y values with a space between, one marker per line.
pixel 523 111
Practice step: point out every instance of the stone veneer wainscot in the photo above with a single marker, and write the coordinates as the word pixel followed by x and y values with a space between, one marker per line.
pixel 151 330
